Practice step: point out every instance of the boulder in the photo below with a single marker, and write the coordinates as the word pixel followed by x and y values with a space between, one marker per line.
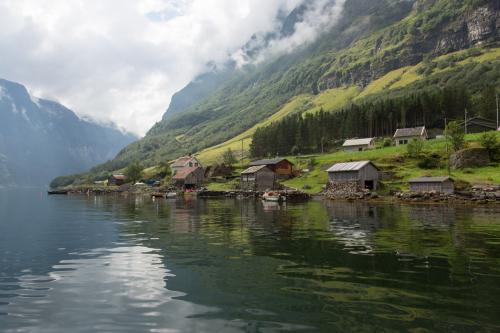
pixel 469 158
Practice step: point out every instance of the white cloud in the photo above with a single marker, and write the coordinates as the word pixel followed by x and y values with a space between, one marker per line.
pixel 122 60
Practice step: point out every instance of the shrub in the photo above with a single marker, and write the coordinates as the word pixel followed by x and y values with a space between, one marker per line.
pixel 455 134
pixel 133 172
pixel 387 142
pixel 489 141
pixel 228 158
pixel 430 161
pixel 415 148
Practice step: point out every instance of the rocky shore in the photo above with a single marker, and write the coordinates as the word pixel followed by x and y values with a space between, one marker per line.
pixel 481 195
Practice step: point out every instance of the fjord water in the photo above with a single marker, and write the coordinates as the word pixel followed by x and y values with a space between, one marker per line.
pixel 113 264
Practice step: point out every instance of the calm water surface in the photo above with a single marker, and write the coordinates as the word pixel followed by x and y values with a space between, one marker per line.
pixel 106 264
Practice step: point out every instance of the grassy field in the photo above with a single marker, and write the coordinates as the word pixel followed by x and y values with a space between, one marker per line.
pixel 392 159
pixel 334 99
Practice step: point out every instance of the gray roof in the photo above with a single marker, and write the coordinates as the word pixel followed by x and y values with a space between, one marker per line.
pixel 414 131
pixel 350 166
pixel 272 161
pixel 254 169
pixel 357 142
pixel 430 179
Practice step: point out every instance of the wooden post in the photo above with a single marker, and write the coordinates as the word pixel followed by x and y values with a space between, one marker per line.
pixel 496 96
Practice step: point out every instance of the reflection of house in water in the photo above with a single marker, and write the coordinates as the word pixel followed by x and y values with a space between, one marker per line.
pixel 442 216
pixel 353 224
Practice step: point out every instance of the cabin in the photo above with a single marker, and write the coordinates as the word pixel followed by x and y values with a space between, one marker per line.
pixel 282 167
pixel 352 145
pixel 258 178
pixel 189 178
pixel 365 173
pixel 185 162
pixel 479 125
pixel 404 135
pixel 116 180
pixel 432 184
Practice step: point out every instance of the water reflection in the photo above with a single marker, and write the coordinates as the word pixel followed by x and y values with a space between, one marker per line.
pixel 141 265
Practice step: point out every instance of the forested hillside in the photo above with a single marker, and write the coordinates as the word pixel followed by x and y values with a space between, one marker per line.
pixel 380 52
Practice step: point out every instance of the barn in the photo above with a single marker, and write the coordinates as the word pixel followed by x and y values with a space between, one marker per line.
pixel 479 125
pixel 352 145
pixel 432 184
pixel 189 178
pixel 282 167
pixel 258 178
pixel 365 173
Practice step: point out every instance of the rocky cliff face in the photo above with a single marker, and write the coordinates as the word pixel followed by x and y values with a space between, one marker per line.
pixel 479 25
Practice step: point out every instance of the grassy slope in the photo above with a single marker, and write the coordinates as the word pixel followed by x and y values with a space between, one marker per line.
pixel 393 159
pixel 334 99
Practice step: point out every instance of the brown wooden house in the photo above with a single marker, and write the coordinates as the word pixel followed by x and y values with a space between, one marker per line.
pixel 189 178
pixel 116 180
pixel 258 178
pixel 282 167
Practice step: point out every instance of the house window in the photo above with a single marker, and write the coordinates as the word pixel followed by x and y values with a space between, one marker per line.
pixel 190 164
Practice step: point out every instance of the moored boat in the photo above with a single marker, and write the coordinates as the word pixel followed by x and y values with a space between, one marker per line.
pixel 272 196
pixel 57 192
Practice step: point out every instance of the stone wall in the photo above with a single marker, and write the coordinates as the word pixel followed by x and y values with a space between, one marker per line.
pixel 347 190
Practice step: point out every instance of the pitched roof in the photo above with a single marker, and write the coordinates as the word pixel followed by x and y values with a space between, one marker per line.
pixel 430 179
pixel 272 161
pixel 414 131
pixel 181 161
pixel 350 166
pixel 357 142
pixel 183 173
pixel 480 121
pixel 254 169
pixel 119 177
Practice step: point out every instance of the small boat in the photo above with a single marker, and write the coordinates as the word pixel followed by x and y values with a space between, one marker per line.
pixel 171 195
pixel 57 192
pixel 158 195
pixel 271 196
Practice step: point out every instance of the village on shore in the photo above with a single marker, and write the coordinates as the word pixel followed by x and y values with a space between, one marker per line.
pixel 353 178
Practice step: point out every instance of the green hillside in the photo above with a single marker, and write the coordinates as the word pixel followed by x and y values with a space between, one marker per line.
pixel 379 46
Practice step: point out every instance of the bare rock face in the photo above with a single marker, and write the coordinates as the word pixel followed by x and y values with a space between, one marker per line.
pixel 469 158
pixel 481 24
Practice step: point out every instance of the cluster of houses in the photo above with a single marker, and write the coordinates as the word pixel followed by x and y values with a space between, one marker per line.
pixel 188 172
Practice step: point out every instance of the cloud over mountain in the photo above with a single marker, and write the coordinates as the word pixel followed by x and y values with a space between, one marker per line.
pixel 122 60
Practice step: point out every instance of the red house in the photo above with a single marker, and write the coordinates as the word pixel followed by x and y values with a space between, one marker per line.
pixel 281 166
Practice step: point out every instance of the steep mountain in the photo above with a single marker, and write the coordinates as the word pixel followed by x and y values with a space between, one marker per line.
pixel 375 49
pixel 40 139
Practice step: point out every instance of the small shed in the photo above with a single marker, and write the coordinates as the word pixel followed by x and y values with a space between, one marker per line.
pixel 189 178
pixel 404 135
pixel 478 125
pixel 282 167
pixel 365 173
pixel 116 180
pixel 432 184
pixel 258 178
pixel 359 144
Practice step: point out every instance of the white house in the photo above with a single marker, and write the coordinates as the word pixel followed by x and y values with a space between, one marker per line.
pixel 359 144
pixel 185 162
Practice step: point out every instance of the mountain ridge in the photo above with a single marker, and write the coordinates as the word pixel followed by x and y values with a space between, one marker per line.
pixel 40 139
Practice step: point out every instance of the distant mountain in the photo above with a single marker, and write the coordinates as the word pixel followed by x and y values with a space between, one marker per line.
pixel 40 139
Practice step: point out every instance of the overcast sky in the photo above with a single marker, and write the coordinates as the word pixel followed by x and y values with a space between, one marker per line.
pixel 121 60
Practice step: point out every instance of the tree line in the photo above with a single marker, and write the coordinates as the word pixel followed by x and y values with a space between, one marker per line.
pixel 319 132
